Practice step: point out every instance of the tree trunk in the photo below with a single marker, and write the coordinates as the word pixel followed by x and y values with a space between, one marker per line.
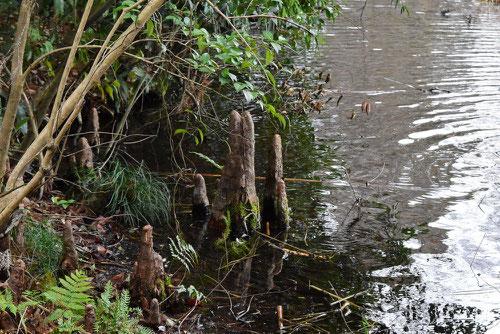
pixel 236 204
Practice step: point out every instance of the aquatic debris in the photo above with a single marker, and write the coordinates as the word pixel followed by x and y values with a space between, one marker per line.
pixel 328 78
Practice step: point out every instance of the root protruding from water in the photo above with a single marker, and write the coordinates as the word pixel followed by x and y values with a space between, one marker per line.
pixel 236 204
pixel 275 206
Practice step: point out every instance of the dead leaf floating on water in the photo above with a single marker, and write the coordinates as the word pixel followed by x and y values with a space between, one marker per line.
pixel 328 78
pixel 320 75
pixel 363 105
pixel 368 108
pixel 353 114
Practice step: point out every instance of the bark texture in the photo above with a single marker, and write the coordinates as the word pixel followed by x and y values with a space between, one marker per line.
pixel 92 127
pixel 85 157
pixel 154 318
pixel 69 257
pixel 275 206
pixel 236 194
pixel 148 277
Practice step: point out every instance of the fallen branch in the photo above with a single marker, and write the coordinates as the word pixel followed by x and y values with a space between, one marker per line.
pixel 288 179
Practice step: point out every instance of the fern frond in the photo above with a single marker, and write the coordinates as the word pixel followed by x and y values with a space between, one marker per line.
pixel 144 330
pixel 107 294
pixel 123 306
pixel 183 252
pixel 70 297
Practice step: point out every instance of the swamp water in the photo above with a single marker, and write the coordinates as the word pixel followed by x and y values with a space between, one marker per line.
pixel 419 230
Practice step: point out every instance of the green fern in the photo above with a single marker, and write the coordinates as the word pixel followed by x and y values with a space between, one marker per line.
pixel 183 252
pixel 144 330
pixel 70 299
pixel 7 303
pixel 117 317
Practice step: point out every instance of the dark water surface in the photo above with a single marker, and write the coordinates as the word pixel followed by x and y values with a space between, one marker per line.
pixel 423 239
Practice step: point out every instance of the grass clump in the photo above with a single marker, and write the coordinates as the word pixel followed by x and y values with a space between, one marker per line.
pixel 132 191
pixel 43 245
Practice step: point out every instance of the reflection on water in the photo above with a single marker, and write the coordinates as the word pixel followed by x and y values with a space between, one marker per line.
pixel 437 154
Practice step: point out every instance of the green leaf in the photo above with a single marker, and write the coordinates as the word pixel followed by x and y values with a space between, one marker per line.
pixel 269 57
pixel 180 131
pixel 109 90
pixel 239 86
pixel 271 77
pixel 204 157
pixel 21 123
pixel 267 35
pixel 248 95
pixel 150 28
pixel 201 134
pixel 246 64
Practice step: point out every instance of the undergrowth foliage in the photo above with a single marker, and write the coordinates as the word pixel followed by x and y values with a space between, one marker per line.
pixel 68 304
pixel 117 316
pixel 132 191
pixel 43 246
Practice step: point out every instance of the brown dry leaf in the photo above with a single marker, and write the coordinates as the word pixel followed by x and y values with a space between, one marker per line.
pixel 102 250
pixel 118 279
pixel 368 108
pixel 363 105
pixel 328 78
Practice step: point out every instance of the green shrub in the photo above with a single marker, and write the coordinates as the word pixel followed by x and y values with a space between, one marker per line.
pixel 132 191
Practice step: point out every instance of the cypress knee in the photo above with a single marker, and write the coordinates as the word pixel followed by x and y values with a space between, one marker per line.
pixel 275 206
pixel 200 199
pixel 236 203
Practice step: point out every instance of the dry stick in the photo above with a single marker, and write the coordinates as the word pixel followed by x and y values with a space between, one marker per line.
pixel 339 299
pixel 17 82
pixel 298 250
pixel 54 117
pixel 257 177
